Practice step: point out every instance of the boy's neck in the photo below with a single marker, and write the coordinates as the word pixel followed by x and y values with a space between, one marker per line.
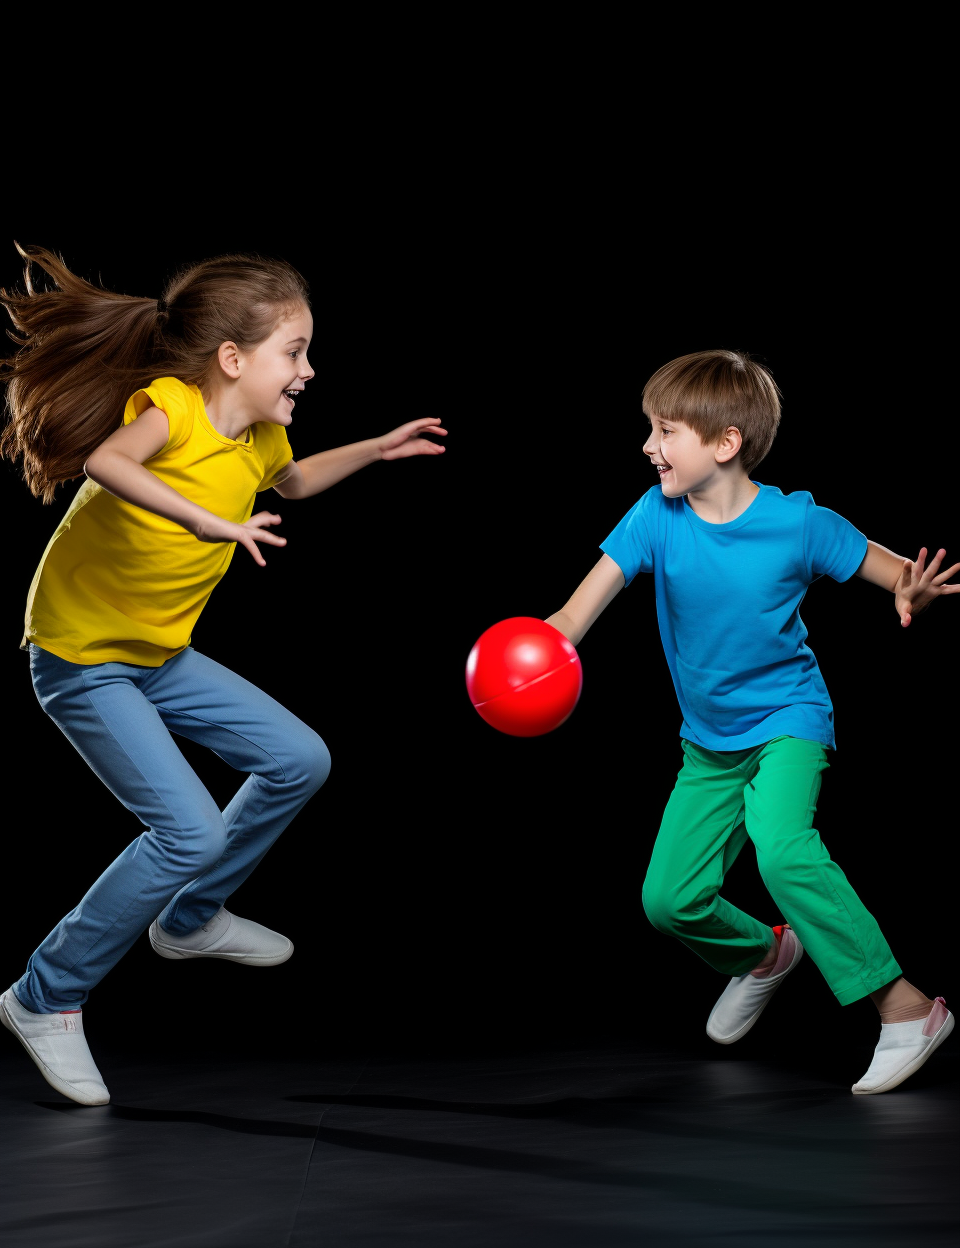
pixel 724 498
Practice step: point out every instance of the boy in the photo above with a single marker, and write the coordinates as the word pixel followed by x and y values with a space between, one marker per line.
pixel 732 560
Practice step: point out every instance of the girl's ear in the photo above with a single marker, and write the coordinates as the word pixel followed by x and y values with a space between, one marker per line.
pixel 228 357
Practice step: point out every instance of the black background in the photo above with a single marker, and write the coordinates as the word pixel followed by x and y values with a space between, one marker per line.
pixel 451 887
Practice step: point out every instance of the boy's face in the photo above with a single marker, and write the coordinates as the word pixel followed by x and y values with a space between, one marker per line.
pixel 684 463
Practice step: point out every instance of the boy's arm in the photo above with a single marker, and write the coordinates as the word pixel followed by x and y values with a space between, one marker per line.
pixel 306 477
pixel 913 588
pixel 594 593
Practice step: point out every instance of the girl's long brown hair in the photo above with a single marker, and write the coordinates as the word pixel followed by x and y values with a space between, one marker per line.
pixel 84 350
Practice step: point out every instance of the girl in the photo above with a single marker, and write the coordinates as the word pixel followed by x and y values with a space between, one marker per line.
pixel 206 379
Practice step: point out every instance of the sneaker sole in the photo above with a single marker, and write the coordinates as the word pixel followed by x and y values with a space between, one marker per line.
pixel 60 1085
pixel 180 955
pixel 738 1035
pixel 912 1067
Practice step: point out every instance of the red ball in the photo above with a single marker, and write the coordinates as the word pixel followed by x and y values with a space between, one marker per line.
pixel 524 677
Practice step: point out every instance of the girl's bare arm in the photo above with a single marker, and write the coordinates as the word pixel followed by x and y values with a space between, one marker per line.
pixel 594 593
pixel 118 465
pixel 305 477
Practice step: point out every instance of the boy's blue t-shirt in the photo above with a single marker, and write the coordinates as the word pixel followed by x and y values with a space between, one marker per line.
pixel 728 605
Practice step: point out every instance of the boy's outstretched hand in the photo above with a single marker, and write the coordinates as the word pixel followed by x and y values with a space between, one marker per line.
pixel 406 440
pixel 916 588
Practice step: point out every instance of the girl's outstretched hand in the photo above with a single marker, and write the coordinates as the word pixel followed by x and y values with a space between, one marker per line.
pixel 407 441
pixel 917 588
pixel 216 529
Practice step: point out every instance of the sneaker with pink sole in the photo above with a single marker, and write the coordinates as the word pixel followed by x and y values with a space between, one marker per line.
pixel 903 1048
pixel 746 996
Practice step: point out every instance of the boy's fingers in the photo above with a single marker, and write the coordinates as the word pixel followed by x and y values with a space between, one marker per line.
pixel 945 576
pixel 934 564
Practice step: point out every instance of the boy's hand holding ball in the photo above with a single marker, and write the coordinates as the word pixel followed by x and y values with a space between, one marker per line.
pixel 524 677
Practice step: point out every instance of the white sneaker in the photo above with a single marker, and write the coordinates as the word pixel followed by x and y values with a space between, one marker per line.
pixel 225 936
pixel 746 996
pixel 903 1048
pixel 57 1045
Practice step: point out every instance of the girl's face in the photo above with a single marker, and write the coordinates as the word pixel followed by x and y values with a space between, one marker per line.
pixel 273 374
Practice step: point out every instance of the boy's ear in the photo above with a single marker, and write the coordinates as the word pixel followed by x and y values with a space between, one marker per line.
pixel 729 444
pixel 228 357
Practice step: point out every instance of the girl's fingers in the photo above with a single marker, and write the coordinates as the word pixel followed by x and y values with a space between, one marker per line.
pixel 921 559
pixel 272 539
pixel 950 589
pixel 251 546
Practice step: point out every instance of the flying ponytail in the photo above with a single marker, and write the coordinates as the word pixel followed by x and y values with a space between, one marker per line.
pixel 84 350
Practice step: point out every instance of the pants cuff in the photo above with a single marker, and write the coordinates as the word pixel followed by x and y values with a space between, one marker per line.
pixel 856 992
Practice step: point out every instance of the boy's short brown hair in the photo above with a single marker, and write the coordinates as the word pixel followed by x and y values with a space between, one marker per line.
pixel 711 390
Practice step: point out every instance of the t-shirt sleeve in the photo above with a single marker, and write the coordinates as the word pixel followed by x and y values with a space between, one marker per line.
pixel 173 398
pixel 631 545
pixel 832 546
pixel 275 451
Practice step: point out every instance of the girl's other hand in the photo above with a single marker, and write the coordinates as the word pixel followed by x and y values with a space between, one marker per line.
pixel 405 441
pixel 216 529
pixel 917 588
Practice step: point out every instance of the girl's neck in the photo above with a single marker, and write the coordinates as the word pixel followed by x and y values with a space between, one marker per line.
pixel 227 415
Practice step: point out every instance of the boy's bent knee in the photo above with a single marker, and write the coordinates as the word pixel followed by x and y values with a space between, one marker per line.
pixel 658 908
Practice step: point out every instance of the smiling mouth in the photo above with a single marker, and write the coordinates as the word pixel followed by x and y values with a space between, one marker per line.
pixel 291 395
pixel 663 469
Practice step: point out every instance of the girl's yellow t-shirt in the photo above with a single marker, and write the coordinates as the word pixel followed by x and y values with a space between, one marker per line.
pixel 120 584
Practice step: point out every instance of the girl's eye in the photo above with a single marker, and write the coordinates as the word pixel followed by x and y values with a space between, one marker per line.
pixel 293 354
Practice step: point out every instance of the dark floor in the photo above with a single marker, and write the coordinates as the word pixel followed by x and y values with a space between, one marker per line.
pixel 592 1148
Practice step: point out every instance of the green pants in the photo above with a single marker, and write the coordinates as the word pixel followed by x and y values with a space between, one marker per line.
pixel 768 794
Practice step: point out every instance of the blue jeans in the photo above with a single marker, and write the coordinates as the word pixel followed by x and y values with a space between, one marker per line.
pixel 190 857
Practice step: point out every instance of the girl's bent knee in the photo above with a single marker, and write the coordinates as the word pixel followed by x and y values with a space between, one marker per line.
pixel 311 764
pixel 210 849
